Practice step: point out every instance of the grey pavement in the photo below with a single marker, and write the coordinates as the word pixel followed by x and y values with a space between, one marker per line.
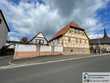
pixel 58 72
pixel 40 59
pixel 4 60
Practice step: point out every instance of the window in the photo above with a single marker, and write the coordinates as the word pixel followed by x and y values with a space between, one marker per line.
pixel 80 40
pixel 61 42
pixel 76 40
pixel 37 41
pixel 71 50
pixel 69 39
pixel 41 41
pixel 71 30
pixel 76 31
pixel 0 21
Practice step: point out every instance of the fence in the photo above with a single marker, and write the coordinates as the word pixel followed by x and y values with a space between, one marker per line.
pixel 29 51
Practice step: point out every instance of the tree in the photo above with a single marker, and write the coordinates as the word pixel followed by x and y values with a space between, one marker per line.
pixel 24 40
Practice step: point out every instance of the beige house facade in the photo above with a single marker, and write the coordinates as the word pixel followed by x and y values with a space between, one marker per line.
pixel 73 39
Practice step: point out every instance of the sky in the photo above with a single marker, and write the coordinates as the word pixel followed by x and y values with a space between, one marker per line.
pixel 28 17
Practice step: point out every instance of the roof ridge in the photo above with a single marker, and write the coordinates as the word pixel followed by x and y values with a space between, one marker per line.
pixel 65 29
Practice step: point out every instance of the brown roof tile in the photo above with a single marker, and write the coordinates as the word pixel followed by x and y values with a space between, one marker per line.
pixel 65 29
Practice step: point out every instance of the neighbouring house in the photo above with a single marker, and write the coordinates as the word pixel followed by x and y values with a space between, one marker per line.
pixel 43 47
pixel 4 29
pixel 100 45
pixel 39 39
pixel 72 38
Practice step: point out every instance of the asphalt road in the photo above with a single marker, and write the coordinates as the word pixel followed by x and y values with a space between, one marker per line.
pixel 58 72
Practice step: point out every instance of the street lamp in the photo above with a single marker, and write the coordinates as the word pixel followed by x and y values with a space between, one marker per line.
pixel 39 42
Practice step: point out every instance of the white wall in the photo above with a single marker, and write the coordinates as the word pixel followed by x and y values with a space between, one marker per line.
pixel 45 48
pixel 58 49
pixel 29 51
pixel 23 48
pixel 3 32
pixel 39 36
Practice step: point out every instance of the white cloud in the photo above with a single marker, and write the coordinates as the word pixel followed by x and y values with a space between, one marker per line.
pixel 13 36
pixel 28 18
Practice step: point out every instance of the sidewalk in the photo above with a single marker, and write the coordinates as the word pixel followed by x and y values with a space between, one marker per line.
pixel 4 60
pixel 41 59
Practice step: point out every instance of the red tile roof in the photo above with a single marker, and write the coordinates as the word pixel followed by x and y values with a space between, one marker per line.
pixel 65 29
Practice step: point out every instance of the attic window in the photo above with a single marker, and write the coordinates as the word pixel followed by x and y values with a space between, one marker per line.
pixel 0 21
pixel 71 31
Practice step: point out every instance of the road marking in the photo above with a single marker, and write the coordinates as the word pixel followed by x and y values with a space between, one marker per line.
pixel 12 65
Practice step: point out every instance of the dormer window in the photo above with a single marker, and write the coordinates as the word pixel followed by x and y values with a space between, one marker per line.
pixel 71 30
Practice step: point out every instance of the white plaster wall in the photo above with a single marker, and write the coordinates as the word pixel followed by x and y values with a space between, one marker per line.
pixel 29 48
pixel 34 40
pixel 45 48
pixel 3 32
pixel 24 48
pixel 58 49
